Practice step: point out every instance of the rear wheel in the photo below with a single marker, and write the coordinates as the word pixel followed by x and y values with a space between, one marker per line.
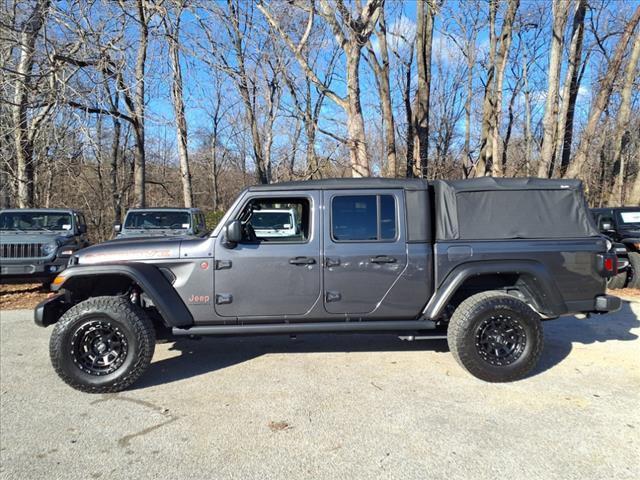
pixel 634 273
pixel 103 344
pixel 495 337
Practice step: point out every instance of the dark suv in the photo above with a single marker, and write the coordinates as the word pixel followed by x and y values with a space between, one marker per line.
pixel 35 244
pixel 622 225
pixel 481 262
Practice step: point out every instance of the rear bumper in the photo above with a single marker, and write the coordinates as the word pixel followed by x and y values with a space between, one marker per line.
pixel 607 303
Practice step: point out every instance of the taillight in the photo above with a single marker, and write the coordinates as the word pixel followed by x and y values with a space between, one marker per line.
pixel 609 265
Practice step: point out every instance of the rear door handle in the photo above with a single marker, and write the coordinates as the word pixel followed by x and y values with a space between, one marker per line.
pixel 302 261
pixel 383 259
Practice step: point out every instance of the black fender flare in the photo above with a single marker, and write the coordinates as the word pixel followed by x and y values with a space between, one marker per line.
pixel 548 299
pixel 153 283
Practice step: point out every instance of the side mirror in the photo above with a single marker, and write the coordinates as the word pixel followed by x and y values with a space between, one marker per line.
pixel 606 225
pixel 232 233
pixel 117 228
pixel 82 229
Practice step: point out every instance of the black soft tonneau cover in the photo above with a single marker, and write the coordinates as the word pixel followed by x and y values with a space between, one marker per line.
pixel 505 208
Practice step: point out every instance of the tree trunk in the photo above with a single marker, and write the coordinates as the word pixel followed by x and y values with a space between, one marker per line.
pixel 528 141
pixel 177 97
pixel 502 57
pixel 602 98
pixel 488 104
pixel 381 70
pixel 550 120
pixel 23 145
pixel 622 128
pixel 424 41
pixel 406 98
pixel 355 121
pixel 139 107
pixel 471 60
pixel 116 196
pixel 570 90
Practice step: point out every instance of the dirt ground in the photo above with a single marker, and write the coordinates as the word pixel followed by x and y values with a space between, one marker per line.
pixel 24 296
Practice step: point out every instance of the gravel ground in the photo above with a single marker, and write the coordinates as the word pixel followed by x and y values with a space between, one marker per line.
pixel 339 407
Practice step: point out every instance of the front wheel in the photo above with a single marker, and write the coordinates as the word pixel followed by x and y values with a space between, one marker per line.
pixel 495 337
pixel 102 345
pixel 634 274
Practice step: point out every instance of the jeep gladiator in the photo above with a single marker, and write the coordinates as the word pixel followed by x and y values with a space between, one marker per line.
pixel 482 261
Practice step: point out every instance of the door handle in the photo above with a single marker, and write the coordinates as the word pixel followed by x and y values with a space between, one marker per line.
pixel 383 259
pixel 302 261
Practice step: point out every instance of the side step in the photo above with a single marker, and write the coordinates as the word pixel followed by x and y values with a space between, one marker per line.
pixel 318 327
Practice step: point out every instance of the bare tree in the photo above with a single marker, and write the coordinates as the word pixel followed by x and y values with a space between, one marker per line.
pixel 570 89
pixel 622 127
pixel 602 98
pixel 172 29
pixel 24 129
pixel 381 71
pixel 549 123
pixel 492 106
pixel 424 42
pixel 351 33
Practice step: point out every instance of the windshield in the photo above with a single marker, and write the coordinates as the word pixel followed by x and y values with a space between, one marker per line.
pixel 629 218
pixel 33 221
pixel 271 220
pixel 157 220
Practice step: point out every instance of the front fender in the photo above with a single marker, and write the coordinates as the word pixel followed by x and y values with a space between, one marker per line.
pixel 150 279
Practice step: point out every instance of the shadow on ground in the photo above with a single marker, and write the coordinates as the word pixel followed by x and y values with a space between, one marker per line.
pixel 210 354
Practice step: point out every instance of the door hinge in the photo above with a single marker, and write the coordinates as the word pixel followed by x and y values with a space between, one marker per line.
pixel 223 264
pixel 333 297
pixel 224 298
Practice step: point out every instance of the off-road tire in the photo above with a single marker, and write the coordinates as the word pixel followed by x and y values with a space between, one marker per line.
pixel 634 275
pixel 134 329
pixel 468 323
pixel 617 281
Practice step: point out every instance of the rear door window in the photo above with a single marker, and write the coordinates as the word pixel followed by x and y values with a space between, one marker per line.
pixel 363 218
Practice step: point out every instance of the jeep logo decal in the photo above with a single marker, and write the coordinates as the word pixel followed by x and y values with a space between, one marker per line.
pixel 198 299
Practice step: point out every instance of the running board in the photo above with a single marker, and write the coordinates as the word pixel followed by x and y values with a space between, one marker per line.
pixel 319 327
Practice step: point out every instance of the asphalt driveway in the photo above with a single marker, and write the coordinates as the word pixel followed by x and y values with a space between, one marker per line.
pixel 329 406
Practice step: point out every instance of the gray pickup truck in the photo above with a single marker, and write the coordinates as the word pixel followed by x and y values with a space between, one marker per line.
pixel 36 244
pixel 482 262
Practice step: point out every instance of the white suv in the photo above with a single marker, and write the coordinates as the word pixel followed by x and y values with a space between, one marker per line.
pixel 275 223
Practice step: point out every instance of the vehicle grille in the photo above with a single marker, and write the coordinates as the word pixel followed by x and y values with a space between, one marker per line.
pixel 21 250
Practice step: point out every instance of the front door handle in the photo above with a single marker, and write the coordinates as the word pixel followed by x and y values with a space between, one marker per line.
pixel 302 261
pixel 383 259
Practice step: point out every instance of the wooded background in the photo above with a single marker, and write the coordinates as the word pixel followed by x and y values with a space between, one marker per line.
pixel 111 104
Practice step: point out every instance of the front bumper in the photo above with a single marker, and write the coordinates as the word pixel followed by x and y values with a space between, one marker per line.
pixel 50 310
pixel 31 269
pixel 607 303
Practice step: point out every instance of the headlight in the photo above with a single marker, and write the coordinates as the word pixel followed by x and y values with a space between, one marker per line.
pixel 49 248
pixel 609 245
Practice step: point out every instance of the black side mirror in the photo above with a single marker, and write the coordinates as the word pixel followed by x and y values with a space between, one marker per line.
pixel 82 229
pixel 117 227
pixel 233 233
pixel 606 225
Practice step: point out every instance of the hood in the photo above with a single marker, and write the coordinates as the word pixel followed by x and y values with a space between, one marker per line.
pixel 41 236
pixel 629 233
pixel 130 250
